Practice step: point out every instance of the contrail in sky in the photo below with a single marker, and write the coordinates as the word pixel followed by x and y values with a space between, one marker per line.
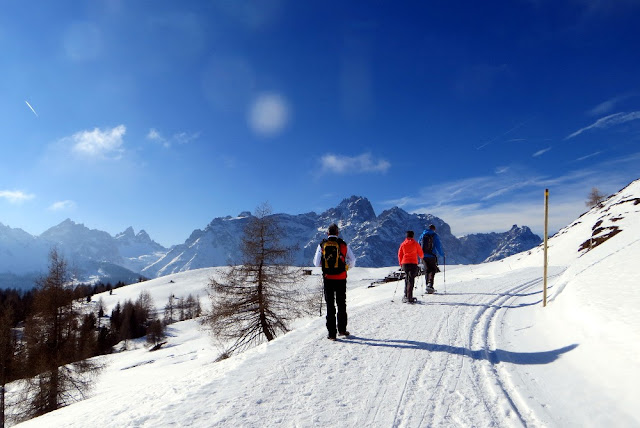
pixel 503 134
pixel 34 112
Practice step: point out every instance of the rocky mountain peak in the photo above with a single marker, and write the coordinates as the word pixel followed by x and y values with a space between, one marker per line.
pixel 127 234
pixel 353 210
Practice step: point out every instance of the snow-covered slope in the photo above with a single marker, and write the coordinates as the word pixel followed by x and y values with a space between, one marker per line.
pixel 483 351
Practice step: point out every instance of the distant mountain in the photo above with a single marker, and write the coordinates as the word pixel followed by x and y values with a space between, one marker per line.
pixel 138 250
pixel 92 255
pixel 96 255
pixel 374 239
pixel 20 252
pixel 488 247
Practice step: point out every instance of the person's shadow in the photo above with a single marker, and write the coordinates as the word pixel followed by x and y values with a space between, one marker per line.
pixel 493 356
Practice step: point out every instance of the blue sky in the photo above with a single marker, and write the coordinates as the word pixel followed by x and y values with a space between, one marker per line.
pixel 163 115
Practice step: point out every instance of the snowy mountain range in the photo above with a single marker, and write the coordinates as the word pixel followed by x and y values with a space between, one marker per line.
pixel 373 239
pixel 93 255
pixel 96 255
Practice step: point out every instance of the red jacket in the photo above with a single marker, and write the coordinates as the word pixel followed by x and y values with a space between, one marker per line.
pixel 410 252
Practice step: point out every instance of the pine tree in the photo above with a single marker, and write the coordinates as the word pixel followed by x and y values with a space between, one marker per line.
pixel 8 362
pixel 51 335
pixel 258 299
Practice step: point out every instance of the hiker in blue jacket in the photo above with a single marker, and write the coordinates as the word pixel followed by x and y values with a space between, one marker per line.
pixel 431 245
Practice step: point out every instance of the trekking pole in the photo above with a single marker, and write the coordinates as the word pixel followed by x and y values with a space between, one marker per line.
pixel 322 295
pixel 444 273
pixel 394 291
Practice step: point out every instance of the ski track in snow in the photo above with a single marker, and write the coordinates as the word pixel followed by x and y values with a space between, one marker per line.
pixel 428 394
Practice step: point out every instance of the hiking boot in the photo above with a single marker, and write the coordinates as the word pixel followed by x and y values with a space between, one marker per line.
pixel 331 337
pixel 431 290
pixel 343 333
pixel 404 300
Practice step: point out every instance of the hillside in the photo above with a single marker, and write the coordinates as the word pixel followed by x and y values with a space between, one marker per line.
pixel 481 352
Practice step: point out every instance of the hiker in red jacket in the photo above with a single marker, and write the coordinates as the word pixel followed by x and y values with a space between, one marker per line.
pixel 409 253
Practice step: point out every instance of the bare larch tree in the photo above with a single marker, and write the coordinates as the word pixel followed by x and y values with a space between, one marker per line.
pixel 257 299
pixel 595 197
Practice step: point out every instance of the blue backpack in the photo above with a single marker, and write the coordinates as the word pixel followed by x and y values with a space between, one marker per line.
pixel 427 244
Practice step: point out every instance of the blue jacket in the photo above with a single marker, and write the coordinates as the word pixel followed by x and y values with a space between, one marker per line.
pixel 437 246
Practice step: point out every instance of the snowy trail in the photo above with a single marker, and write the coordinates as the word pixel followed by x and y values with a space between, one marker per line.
pixel 440 362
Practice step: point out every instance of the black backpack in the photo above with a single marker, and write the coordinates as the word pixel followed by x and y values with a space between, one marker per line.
pixel 427 243
pixel 333 262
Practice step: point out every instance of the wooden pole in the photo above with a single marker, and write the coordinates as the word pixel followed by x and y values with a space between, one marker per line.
pixel 546 234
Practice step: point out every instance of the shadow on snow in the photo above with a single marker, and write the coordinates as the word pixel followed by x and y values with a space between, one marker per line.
pixel 494 357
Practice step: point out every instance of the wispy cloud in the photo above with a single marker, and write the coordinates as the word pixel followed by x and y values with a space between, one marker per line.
pixel 62 206
pixel 15 196
pixel 607 106
pixel 32 109
pixel 494 203
pixel 178 138
pixel 588 156
pixel 504 134
pixel 363 163
pixel 607 122
pixel 541 152
pixel 100 144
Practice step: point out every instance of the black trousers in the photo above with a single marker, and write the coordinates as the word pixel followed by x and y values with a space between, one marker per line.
pixel 411 271
pixel 431 268
pixel 335 294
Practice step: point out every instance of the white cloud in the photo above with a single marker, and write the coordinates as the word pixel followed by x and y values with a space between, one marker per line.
pixel 15 196
pixel 269 114
pixel 353 164
pixel 179 138
pixel 185 137
pixel 588 156
pixel 62 206
pixel 477 218
pixel 155 136
pixel 605 107
pixel 607 122
pixel 541 152
pixel 99 143
pixel 494 203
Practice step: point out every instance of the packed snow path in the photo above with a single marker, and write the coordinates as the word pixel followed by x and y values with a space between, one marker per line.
pixel 477 355
pixel 437 362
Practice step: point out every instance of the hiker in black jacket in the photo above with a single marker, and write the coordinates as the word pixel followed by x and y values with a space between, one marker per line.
pixel 431 245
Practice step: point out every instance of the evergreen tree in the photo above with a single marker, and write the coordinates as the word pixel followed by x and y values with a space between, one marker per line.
pixel 169 309
pixel 51 335
pixel 155 332
pixel 8 361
